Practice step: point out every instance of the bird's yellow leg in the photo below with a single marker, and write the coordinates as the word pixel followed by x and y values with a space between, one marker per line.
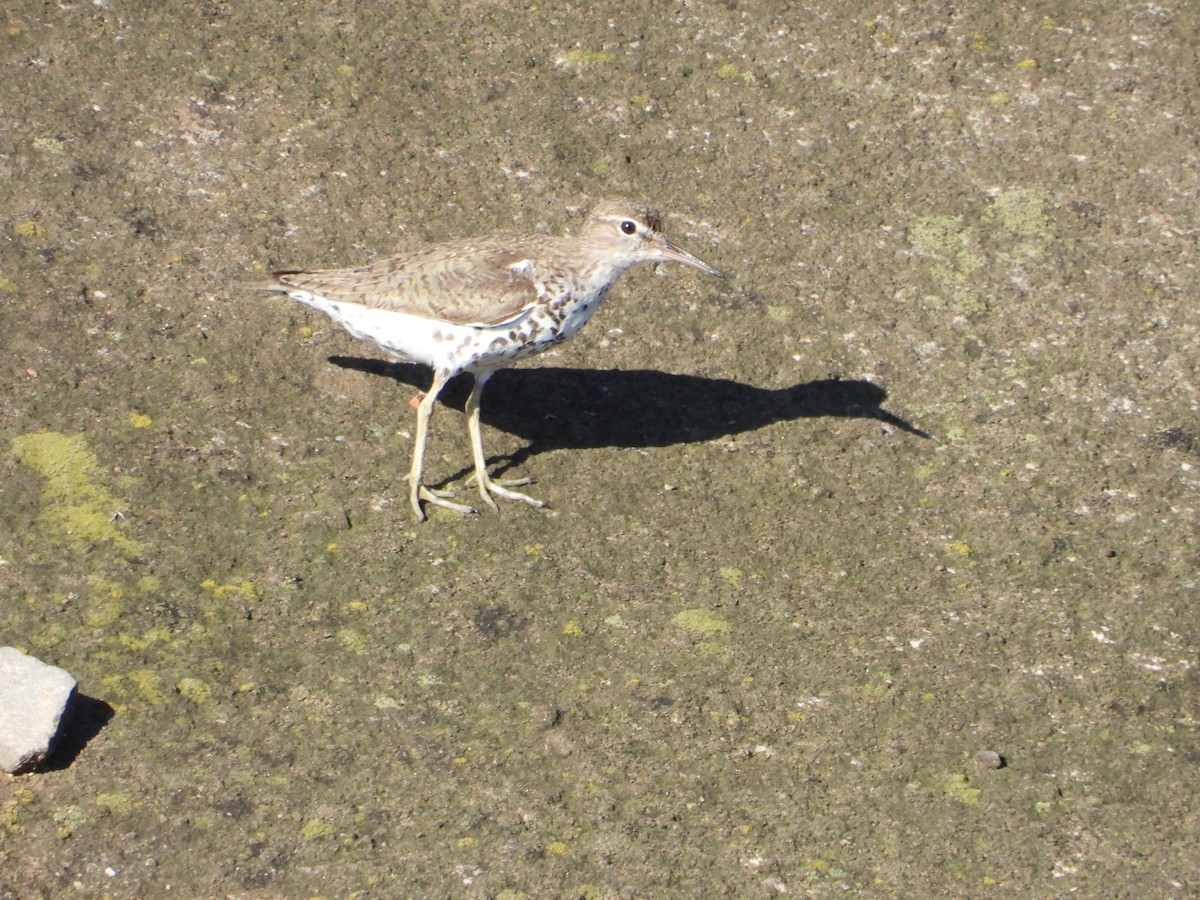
pixel 487 485
pixel 416 490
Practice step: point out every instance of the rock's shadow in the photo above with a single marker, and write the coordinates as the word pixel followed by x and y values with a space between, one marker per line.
pixel 83 719
pixel 557 408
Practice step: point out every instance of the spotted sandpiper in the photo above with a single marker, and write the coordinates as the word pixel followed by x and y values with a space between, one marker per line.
pixel 478 305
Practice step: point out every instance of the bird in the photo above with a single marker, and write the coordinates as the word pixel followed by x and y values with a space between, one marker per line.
pixel 480 304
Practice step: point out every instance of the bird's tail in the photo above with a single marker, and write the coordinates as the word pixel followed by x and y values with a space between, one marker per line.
pixel 265 284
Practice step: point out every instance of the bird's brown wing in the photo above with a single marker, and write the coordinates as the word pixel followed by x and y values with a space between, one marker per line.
pixel 466 282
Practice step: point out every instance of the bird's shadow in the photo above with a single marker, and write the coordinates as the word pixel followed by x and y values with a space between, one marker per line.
pixel 554 408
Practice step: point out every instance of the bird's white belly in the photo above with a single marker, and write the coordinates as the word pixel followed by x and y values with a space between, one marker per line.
pixel 409 337
pixel 445 345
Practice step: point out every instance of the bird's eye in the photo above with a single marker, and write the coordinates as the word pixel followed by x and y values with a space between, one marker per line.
pixel 629 226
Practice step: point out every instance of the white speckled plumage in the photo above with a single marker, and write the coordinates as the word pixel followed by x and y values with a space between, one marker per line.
pixel 478 305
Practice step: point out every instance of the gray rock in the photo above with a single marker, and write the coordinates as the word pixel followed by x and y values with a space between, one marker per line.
pixel 989 759
pixel 33 697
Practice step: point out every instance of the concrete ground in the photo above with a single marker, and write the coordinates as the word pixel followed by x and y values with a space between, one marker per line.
pixel 870 568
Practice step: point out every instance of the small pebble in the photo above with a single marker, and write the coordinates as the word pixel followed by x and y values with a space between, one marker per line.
pixel 544 716
pixel 989 759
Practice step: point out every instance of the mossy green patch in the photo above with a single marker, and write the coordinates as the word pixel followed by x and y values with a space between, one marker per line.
pixel 28 228
pixel 352 640
pixel 69 819
pixel 147 682
pixel 955 257
pixel 76 505
pixel 10 810
pixel 959 787
pixel 701 622
pixel 49 145
pixel 878 688
pixel 194 689
pixel 106 601
pixel 580 58
pixel 115 802
pixel 732 73
pixel 147 638
pixel 1021 211
pixel 315 829
pixel 1010 239
pixel 243 589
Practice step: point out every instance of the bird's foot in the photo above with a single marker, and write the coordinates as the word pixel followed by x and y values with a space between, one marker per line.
pixel 500 488
pixel 503 482
pixel 420 492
